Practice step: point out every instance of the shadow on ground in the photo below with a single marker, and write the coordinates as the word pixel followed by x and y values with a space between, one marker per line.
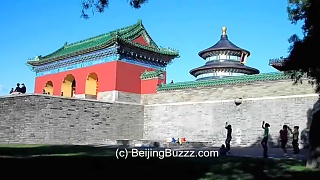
pixel 142 168
pixel 63 150
pixel 271 142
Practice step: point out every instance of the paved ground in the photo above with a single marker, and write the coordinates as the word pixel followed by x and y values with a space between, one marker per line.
pixel 273 152
pixel 252 152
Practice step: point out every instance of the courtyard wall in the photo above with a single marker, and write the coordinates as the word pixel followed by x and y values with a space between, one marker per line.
pixel 205 121
pixel 45 119
pixel 200 113
pixel 197 113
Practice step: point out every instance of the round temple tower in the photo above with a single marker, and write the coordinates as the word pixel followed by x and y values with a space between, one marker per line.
pixel 224 59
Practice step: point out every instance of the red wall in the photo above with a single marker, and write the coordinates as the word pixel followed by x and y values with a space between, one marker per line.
pixel 114 75
pixel 106 76
pixel 128 77
pixel 149 86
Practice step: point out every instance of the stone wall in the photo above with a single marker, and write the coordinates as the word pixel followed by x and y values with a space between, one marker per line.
pixel 128 97
pixel 205 121
pixel 199 114
pixel 45 119
pixel 227 92
pixel 119 96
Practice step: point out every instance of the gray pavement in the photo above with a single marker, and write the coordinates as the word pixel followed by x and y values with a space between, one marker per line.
pixel 249 152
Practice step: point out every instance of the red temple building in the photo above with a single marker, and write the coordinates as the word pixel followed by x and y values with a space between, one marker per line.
pixel 125 61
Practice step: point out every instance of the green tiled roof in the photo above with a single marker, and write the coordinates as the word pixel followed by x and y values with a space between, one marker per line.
pixel 224 81
pixel 151 74
pixel 124 35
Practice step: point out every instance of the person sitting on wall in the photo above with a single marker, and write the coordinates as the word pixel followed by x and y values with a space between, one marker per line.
pixel 23 89
pixel 11 91
pixel 17 90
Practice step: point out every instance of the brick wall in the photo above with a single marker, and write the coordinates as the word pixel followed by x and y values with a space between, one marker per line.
pixel 46 119
pixel 206 121
pixel 198 114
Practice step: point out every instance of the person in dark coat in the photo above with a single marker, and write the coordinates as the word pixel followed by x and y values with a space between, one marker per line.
pixel 229 137
pixel 23 89
pixel 18 88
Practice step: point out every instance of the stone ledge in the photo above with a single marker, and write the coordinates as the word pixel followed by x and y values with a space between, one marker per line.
pixel 232 100
pixel 66 98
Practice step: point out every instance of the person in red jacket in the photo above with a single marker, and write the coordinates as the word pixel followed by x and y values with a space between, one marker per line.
pixel 284 138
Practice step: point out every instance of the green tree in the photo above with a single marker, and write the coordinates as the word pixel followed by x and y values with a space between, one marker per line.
pixel 100 5
pixel 303 61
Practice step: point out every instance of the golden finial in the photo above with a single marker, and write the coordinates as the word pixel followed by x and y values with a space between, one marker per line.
pixel 224 31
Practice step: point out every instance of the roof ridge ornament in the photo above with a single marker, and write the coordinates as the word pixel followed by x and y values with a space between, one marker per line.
pixel 224 31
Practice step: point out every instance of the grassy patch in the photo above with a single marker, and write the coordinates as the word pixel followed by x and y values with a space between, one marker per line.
pixel 95 161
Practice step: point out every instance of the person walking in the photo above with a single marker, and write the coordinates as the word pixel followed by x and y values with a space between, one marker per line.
pixel 229 136
pixel 295 139
pixel 264 141
pixel 284 139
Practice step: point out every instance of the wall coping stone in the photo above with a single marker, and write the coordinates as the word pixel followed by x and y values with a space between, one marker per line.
pixel 232 100
pixel 66 98
pixel 274 76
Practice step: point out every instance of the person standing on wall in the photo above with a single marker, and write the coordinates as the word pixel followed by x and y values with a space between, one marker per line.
pixel 284 139
pixel 295 139
pixel 229 137
pixel 264 141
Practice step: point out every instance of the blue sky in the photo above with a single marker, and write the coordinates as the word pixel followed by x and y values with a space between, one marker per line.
pixel 39 27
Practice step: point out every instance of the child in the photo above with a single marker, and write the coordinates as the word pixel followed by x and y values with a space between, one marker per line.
pixel 264 141
pixel 295 139
pixel 223 150
pixel 229 137
pixel 11 91
pixel 284 138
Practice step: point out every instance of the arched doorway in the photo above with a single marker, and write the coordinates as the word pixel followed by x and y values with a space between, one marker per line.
pixel 92 85
pixel 49 88
pixel 68 86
